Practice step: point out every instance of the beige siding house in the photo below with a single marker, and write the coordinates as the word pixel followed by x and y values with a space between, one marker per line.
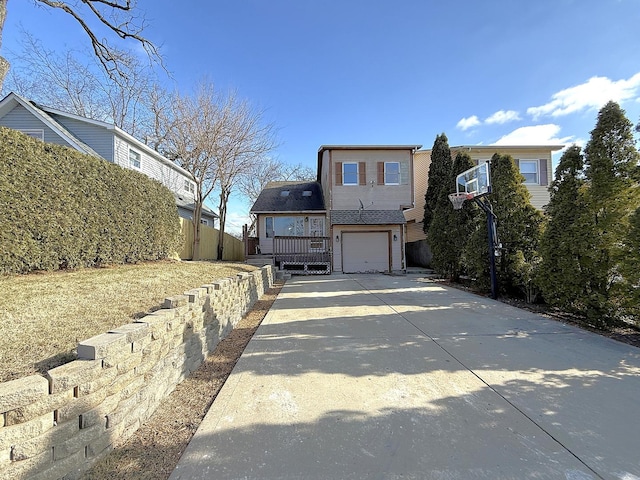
pixel 366 189
pixel 534 163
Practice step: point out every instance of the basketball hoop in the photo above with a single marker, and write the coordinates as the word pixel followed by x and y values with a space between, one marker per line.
pixel 458 198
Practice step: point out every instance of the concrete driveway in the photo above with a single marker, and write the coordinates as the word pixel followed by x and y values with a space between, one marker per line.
pixel 375 376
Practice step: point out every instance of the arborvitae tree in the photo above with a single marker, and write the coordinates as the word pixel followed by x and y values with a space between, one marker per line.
pixel 518 227
pixel 562 275
pixel 630 270
pixel 450 229
pixel 439 177
pixel 611 160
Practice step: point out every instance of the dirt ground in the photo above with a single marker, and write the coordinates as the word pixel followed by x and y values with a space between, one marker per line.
pixel 154 450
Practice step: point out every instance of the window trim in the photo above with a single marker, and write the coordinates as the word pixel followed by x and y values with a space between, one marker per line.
pixel 138 160
pixel 536 163
pixel 344 175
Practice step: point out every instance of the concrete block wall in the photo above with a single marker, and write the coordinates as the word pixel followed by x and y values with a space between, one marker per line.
pixel 58 426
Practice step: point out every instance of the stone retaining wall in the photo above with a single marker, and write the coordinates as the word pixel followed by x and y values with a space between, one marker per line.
pixel 59 425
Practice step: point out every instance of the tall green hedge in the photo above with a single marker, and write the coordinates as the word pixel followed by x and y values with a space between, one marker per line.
pixel 63 209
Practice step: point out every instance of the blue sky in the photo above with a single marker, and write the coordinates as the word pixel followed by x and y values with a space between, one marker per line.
pixel 393 72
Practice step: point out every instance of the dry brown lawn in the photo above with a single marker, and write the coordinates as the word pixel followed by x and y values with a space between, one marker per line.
pixel 44 316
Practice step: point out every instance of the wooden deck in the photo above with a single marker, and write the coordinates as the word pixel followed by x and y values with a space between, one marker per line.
pixel 303 255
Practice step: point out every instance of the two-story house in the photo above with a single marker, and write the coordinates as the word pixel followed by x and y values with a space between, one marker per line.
pixel 102 140
pixel 367 189
pixel 350 220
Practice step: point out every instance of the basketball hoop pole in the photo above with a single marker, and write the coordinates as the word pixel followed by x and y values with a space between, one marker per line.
pixel 485 205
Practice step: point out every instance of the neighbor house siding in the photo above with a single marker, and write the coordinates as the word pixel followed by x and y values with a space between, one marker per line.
pixel 415 216
pixel 152 167
pixel 97 137
pixel 21 119
pixel 372 195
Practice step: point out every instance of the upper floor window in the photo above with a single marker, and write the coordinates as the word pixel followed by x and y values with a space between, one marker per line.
pixel 391 173
pixel 134 159
pixel 350 174
pixel 189 187
pixel 529 169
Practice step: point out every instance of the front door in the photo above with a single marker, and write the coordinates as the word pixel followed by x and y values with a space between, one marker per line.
pixel 316 229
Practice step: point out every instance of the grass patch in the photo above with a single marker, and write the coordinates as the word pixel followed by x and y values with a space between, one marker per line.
pixel 45 315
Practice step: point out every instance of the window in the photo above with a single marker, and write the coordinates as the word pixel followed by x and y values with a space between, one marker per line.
pixel 34 133
pixel 189 187
pixel 204 221
pixel 529 169
pixel 284 193
pixel 134 159
pixel 268 224
pixel 350 174
pixel 391 173
pixel 284 227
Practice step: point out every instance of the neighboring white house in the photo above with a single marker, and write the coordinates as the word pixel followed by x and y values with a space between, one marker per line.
pixel 102 140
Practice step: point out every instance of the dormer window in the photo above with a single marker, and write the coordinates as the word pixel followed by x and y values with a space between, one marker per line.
pixel 284 193
pixel 306 193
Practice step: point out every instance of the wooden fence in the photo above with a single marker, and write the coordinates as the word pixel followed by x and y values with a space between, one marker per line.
pixel 233 248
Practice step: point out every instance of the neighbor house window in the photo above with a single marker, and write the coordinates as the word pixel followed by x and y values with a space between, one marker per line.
pixel 189 187
pixel 391 173
pixel 34 133
pixel 350 174
pixel 204 221
pixel 529 169
pixel 134 159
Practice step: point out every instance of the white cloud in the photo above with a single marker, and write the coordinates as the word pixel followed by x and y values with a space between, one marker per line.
pixel 535 135
pixel 502 117
pixel 593 94
pixel 467 123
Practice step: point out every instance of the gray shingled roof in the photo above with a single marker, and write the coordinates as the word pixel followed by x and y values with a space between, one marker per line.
pixel 274 199
pixel 367 217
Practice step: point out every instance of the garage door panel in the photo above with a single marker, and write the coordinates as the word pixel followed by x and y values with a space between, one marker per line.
pixel 365 252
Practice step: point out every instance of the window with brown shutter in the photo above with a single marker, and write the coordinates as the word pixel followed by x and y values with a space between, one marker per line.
pixel 362 173
pixel 380 173
pixel 338 173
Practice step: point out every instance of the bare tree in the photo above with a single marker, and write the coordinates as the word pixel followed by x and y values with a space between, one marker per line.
pixel 75 83
pixel 247 143
pixel 218 138
pixel 189 133
pixel 118 16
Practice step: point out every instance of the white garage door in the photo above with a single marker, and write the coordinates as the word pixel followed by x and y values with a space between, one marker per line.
pixel 365 252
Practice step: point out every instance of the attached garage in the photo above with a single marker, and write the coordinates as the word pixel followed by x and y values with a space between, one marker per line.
pixel 364 252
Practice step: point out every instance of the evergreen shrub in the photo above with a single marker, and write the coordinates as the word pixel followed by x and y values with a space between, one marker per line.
pixel 63 209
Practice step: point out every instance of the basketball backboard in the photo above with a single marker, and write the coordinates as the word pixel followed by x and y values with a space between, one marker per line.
pixel 476 181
